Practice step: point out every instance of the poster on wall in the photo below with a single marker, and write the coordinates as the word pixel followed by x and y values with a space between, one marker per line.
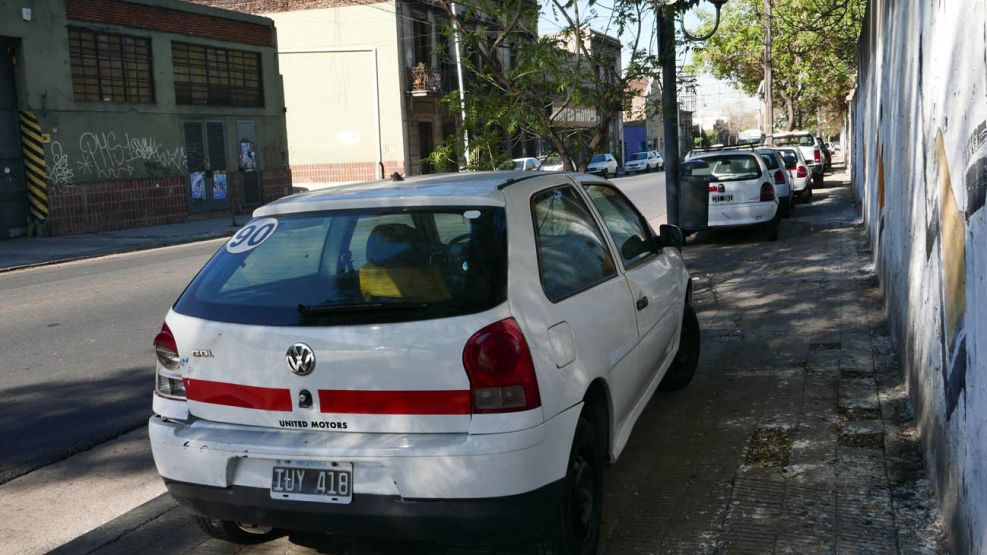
pixel 198 181
pixel 248 158
pixel 219 185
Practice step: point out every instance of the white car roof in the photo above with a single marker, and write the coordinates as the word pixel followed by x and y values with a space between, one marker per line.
pixel 793 134
pixel 451 189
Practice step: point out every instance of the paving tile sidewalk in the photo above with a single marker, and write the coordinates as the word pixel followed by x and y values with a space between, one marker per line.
pixel 795 437
pixel 33 251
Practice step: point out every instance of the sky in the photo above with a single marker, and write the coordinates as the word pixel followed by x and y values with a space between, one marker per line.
pixel 716 99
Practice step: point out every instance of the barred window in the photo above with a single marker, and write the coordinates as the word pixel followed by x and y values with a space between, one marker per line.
pixel 108 67
pixel 217 76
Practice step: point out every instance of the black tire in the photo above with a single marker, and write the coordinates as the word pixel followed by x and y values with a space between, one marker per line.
pixel 786 210
pixel 581 509
pixel 817 180
pixel 807 195
pixel 238 533
pixel 686 360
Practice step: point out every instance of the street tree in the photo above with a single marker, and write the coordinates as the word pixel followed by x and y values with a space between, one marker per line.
pixel 564 88
pixel 814 54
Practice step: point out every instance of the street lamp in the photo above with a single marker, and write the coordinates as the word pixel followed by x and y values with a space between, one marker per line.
pixel 666 41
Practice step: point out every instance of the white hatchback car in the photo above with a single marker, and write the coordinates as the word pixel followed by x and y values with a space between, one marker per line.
pixel 741 190
pixel 644 162
pixel 798 170
pixel 444 356
pixel 604 165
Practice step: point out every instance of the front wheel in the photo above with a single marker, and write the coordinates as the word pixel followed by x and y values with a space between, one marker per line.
pixel 686 360
pixel 236 532
pixel 578 530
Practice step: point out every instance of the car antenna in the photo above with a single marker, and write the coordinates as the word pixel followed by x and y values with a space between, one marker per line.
pixel 396 177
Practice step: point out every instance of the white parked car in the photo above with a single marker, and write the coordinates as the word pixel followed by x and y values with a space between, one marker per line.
pixel 552 163
pixel 446 356
pixel 811 153
pixel 603 165
pixel 781 179
pixel 524 164
pixel 798 170
pixel 644 162
pixel 741 191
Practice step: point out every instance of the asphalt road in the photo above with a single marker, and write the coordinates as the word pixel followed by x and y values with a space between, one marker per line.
pixel 76 368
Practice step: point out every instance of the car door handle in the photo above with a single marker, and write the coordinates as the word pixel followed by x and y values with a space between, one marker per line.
pixel 642 302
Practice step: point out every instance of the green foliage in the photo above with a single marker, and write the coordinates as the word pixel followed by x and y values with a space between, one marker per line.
pixel 814 54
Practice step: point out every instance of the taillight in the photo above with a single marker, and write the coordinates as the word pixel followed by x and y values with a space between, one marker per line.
pixel 802 172
pixel 817 155
pixel 166 349
pixel 168 382
pixel 501 372
pixel 779 178
pixel 767 192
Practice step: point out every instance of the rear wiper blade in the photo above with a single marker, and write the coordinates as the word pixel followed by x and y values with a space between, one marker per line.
pixel 313 310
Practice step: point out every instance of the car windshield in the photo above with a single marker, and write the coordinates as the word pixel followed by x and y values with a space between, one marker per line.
pixel 552 161
pixel 598 158
pixel 733 167
pixel 355 267
pixel 800 140
pixel 791 159
pixel 639 156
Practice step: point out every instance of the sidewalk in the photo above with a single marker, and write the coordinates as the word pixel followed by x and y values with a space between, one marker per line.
pixel 34 251
pixel 795 437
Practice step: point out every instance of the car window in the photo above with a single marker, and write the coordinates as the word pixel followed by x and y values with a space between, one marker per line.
pixel 598 158
pixel 355 267
pixel 639 156
pixel 791 159
pixel 769 160
pixel 572 255
pixel 801 140
pixel 629 230
pixel 733 167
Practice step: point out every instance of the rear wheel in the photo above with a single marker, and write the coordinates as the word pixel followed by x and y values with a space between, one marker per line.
pixel 578 530
pixel 686 360
pixel 770 229
pixel 236 532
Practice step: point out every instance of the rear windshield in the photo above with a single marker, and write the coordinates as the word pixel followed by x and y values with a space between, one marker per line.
pixel 355 267
pixel 598 158
pixel 769 160
pixel 733 167
pixel 801 140
pixel 791 159
pixel 639 156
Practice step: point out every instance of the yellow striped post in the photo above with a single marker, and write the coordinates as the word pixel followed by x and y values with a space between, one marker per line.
pixel 32 146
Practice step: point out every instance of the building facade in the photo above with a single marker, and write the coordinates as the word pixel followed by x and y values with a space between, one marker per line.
pixel 117 114
pixel 363 85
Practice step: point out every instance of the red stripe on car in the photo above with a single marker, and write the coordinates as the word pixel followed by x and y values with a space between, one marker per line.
pixel 346 401
pixel 236 395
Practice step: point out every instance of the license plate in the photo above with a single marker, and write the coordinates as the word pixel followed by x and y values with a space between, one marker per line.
pixel 722 198
pixel 322 482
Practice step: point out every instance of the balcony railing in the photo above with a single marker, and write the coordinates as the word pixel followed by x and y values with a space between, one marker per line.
pixel 425 81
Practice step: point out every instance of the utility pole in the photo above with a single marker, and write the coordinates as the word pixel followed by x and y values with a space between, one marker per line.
pixel 462 93
pixel 769 115
pixel 669 110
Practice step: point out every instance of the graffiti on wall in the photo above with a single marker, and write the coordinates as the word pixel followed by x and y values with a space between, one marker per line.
pixel 107 155
pixel 60 173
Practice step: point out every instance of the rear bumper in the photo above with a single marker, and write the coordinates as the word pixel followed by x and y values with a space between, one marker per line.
pixel 499 519
pixel 739 215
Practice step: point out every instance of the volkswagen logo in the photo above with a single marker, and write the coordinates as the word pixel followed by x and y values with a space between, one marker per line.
pixel 301 359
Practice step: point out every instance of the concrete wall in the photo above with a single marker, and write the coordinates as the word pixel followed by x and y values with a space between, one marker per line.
pixel 919 152
pixel 327 59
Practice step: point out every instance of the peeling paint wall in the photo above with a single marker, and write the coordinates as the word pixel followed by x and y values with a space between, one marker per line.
pixel 919 163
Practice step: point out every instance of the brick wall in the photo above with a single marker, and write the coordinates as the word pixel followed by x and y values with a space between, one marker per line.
pixel 330 173
pixel 118 12
pixel 271 6
pixel 117 205
pixel 274 184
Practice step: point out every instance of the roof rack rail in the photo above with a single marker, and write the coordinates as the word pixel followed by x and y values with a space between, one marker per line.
pixel 719 148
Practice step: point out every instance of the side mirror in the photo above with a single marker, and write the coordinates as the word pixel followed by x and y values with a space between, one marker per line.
pixel 670 236
pixel 632 247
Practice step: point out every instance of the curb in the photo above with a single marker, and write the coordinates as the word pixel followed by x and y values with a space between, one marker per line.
pixel 124 250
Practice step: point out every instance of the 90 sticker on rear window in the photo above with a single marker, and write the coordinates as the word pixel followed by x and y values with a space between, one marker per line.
pixel 251 235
